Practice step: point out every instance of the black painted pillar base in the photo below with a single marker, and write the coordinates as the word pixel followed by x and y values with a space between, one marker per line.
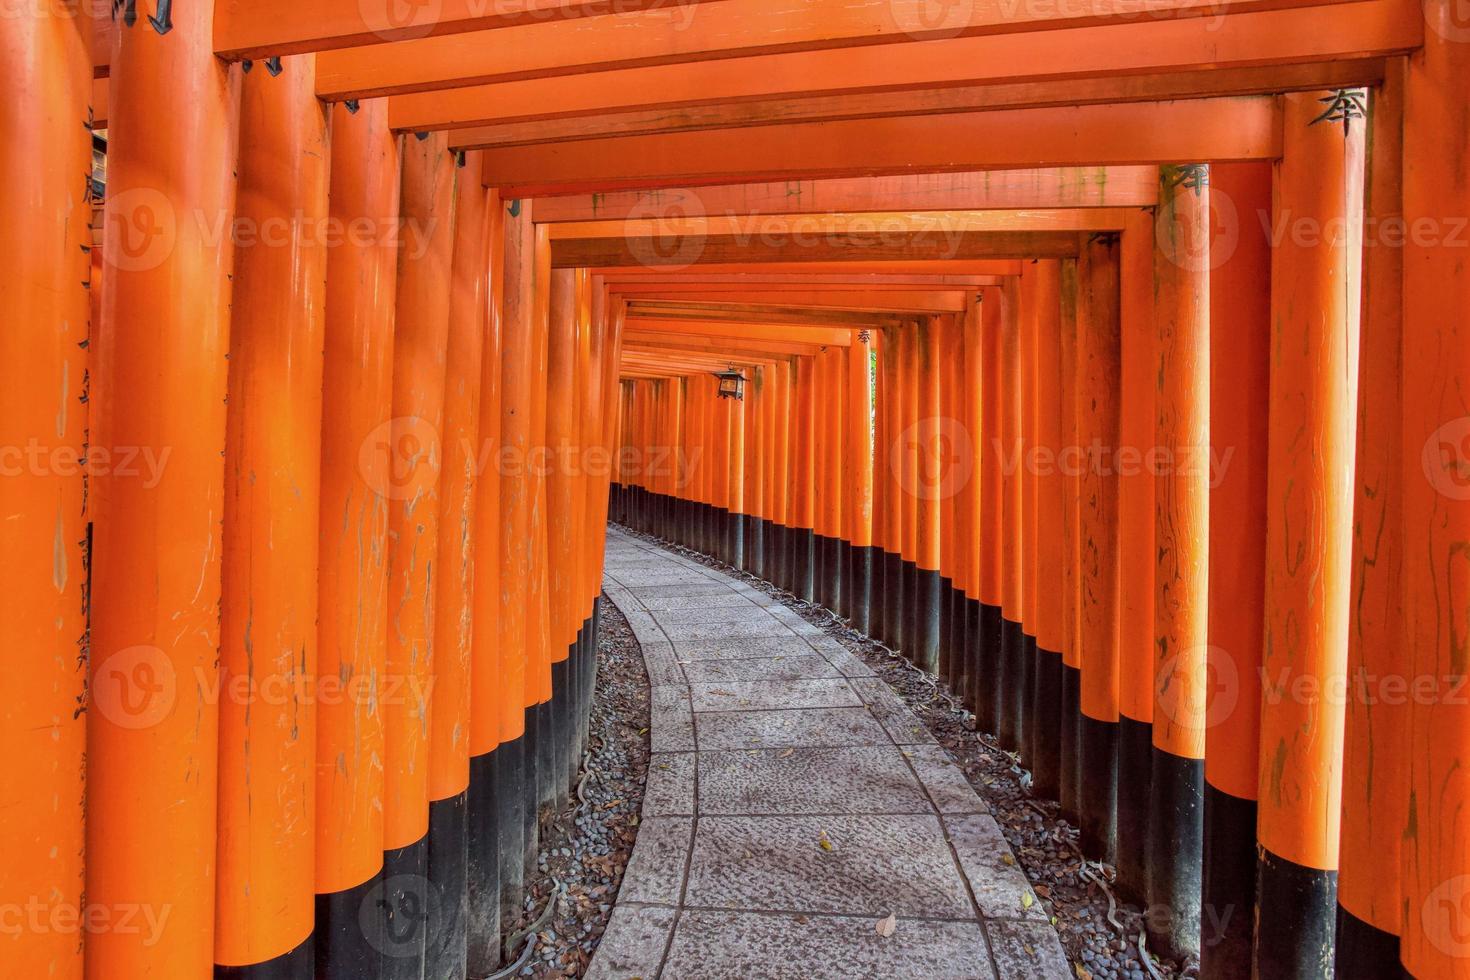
pixel 775 571
pixel 892 598
pixel 348 943
pixel 865 560
pixel 737 525
pixel 404 904
pixel 842 577
pixel 1069 793
pixel 1026 721
pixel 447 946
pixel 530 809
pixel 575 652
pixel 482 903
pixel 974 654
pixel 1099 813
pixel 1008 690
pixel 1365 952
pixel 1135 776
pixel 908 637
pixel 1176 840
pixel 547 770
pixel 1227 923
pixel 961 607
pixel 947 666
pixel 777 560
pixel 988 670
pixel 806 561
pixel 926 616
pixel 560 710
pixel 1296 928
pixel 822 573
pixel 295 964
pixel 508 772
pixel 1046 729
pixel 755 547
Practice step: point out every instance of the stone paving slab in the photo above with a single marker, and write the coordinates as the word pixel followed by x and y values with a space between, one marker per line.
pixel 725 632
pixel 763 695
pixel 865 779
pixel 634 944
pixel 670 790
pixel 745 648
pixel 877 865
pixel 774 946
pixel 795 668
pixel 669 603
pixel 810 727
pixel 745 612
pixel 793 802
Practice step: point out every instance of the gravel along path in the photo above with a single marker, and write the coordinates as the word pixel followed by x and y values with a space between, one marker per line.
pixel 587 849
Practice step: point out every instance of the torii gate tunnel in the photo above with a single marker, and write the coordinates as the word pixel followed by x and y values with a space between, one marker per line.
pixel 1108 359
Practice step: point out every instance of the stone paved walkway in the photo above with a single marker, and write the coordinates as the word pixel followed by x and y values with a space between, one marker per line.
pixel 793 803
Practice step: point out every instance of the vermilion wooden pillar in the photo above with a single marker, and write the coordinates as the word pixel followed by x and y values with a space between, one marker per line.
pixel 781 475
pixel 1182 259
pixel 1136 554
pixel 46 69
pixel 928 489
pixel 268 613
pixel 1240 369
pixel 1071 463
pixel 516 374
pixel 989 697
pixel 1436 488
pixel 803 481
pixel 538 594
pixel 152 748
pixel 858 465
pixel 1046 690
pixel 1098 354
pixel 415 454
pixel 1027 474
pixel 891 406
pixel 972 402
pixel 489 759
pixel 352 631
pixel 561 512
pixel 1313 405
pixel 1011 674
pixel 450 719
pixel 909 446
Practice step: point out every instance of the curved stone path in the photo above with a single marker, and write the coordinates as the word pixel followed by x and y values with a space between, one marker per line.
pixel 794 803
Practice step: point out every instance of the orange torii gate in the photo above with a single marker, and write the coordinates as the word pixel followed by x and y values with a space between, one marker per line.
pixel 1205 572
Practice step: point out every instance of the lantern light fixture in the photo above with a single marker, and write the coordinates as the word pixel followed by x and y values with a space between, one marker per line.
pixel 732 384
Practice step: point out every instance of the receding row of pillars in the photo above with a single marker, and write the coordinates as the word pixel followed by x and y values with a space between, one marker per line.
pixel 303 530
pixel 1171 535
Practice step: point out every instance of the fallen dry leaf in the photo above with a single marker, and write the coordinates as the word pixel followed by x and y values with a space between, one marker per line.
pixel 787 754
pixel 886 926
